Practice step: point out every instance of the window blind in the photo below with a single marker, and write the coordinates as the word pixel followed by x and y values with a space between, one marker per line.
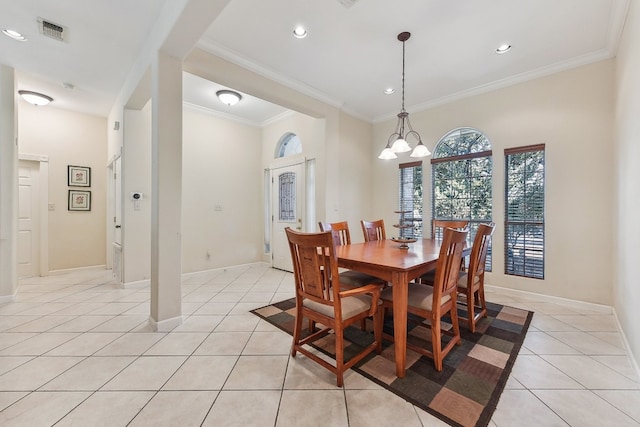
pixel 524 211
pixel 410 199
pixel 462 183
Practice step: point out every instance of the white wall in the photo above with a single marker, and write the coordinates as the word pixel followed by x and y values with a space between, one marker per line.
pixel 76 238
pixel 221 166
pixel 572 113
pixel 136 176
pixel 356 190
pixel 627 153
pixel 8 185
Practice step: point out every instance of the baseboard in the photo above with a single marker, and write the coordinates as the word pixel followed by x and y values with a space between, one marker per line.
pixel 137 284
pixel 165 325
pixel 213 270
pixel 147 282
pixel 632 359
pixel 599 308
pixel 8 298
pixel 76 269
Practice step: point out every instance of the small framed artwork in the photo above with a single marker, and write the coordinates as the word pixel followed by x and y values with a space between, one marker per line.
pixel 79 200
pixel 79 176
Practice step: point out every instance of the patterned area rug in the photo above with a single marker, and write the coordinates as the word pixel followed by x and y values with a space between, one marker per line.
pixel 466 392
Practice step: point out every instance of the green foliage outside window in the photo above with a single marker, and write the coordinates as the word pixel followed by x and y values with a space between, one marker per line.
pixel 524 225
pixel 462 179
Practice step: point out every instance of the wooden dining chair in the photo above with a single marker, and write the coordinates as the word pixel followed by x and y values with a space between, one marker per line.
pixel 438 225
pixel 437 231
pixel 320 299
pixel 471 281
pixel 341 236
pixel 434 302
pixel 373 230
pixel 349 279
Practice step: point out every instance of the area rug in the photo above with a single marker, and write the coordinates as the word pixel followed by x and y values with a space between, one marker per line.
pixel 467 390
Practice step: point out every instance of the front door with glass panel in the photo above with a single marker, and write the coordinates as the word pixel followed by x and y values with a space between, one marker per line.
pixel 287 190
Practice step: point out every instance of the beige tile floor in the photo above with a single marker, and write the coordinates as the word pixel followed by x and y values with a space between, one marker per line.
pixel 76 350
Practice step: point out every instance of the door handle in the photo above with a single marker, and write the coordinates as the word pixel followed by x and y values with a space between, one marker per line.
pixel 118 226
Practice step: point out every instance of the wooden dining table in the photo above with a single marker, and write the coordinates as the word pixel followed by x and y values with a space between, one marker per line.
pixel 386 260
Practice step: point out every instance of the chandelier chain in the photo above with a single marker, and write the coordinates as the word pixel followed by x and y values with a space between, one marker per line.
pixel 403 75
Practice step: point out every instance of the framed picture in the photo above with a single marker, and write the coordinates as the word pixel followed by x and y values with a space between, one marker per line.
pixel 79 176
pixel 79 200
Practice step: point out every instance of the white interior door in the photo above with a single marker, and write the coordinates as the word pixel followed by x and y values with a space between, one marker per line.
pixel 288 192
pixel 116 193
pixel 117 201
pixel 28 219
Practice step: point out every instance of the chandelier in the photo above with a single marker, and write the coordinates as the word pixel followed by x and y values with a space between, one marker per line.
pixel 397 142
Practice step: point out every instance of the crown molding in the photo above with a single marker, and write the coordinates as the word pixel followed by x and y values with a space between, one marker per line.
pixel 220 114
pixel 506 82
pixel 209 46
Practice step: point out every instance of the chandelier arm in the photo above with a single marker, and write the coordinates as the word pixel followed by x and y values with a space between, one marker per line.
pixel 415 134
pixel 392 139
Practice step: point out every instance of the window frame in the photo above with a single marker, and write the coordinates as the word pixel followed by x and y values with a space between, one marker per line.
pixel 408 200
pixel 487 153
pixel 533 246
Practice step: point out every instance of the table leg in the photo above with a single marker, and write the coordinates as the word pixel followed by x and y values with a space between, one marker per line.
pixel 400 283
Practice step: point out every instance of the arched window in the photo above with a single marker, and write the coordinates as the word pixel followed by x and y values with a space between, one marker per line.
pixel 288 145
pixel 461 170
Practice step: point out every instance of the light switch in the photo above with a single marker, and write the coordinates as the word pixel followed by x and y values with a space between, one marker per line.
pixel 52 206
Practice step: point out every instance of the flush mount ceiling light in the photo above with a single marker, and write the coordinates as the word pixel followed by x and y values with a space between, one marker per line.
pixel 229 97
pixel 35 98
pixel 397 142
pixel 300 32
pixel 389 91
pixel 14 35
pixel 503 48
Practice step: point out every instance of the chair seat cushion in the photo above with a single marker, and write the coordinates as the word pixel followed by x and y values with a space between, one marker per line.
pixel 419 296
pixel 351 306
pixel 463 279
pixel 354 279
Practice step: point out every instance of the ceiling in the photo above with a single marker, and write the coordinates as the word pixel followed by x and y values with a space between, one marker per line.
pixel 349 58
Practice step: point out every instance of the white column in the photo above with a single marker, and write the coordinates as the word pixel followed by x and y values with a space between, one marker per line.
pixel 8 186
pixel 166 193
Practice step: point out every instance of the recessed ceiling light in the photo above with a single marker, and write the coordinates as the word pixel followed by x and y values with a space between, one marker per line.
pixel 503 48
pixel 300 32
pixel 389 91
pixel 229 97
pixel 35 98
pixel 14 35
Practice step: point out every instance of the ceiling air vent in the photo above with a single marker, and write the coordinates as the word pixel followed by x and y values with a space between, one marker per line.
pixel 50 29
pixel 347 3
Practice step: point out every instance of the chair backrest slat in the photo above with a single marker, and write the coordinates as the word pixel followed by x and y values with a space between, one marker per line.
pixel 438 224
pixel 478 257
pixel 340 230
pixel 448 266
pixel 373 230
pixel 314 265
